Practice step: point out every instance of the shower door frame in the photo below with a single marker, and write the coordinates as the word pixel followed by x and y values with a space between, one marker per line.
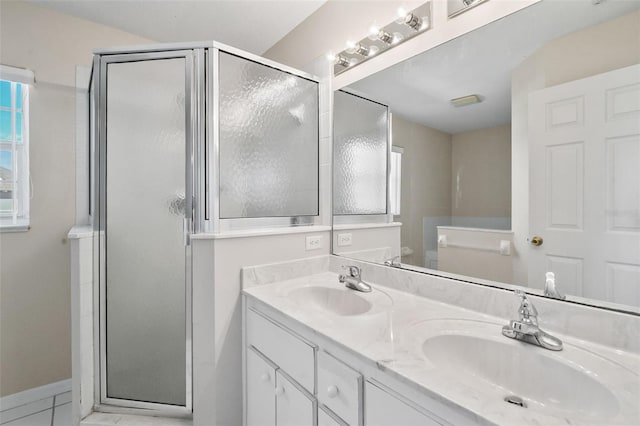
pixel 202 134
pixel 213 223
pixel 194 170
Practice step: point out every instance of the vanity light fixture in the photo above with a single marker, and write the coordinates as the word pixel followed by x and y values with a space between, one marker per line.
pixel 413 22
pixel 466 100
pixel 457 7
pixel 406 25
pixel 341 60
pixel 385 37
pixel 359 49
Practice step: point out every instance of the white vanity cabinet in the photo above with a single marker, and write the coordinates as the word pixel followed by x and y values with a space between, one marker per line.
pixel 327 418
pixel 293 406
pixel 279 375
pixel 340 388
pixel 294 376
pixel 383 408
pixel 272 398
pixel 261 388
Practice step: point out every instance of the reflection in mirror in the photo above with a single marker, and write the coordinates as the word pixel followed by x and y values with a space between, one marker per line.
pixel 521 151
pixel 456 7
pixel 360 174
pixel 360 156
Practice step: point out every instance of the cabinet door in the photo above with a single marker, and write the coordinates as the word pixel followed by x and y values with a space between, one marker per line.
pixel 384 409
pixel 293 407
pixel 261 384
pixel 326 419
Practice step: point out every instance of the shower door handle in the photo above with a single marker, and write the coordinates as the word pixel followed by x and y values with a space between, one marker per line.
pixel 186 231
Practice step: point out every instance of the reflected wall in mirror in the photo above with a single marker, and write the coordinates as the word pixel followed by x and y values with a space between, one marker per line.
pixel 521 155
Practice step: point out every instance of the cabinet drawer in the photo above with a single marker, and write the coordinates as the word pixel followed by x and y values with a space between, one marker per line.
pixel 340 388
pixel 286 350
pixel 382 408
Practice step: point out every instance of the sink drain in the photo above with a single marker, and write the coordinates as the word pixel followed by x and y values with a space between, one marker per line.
pixel 515 400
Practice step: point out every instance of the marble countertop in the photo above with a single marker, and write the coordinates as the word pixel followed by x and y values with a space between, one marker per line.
pixel 391 336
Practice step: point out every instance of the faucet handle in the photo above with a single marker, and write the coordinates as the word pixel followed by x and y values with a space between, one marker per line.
pixel 394 261
pixel 354 271
pixel 527 311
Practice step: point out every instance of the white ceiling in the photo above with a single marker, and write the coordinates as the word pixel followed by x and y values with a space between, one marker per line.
pixel 252 25
pixel 421 88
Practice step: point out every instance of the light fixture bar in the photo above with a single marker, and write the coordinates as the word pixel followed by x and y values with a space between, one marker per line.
pixel 408 24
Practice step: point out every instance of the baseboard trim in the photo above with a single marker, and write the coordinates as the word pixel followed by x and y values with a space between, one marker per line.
pixel 34 394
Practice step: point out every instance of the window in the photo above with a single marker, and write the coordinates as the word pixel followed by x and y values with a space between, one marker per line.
pixel 14 149
pixel 395 183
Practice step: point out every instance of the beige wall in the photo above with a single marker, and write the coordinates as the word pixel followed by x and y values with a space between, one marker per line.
pixel 595 50
pixel 605 47
pixel 481 172
pixel 35 331
pixel 426 180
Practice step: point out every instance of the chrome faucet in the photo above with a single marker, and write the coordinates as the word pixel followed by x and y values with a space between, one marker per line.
pixel 394 262
pixel 354 279
pixel 550 287
pixel 526 327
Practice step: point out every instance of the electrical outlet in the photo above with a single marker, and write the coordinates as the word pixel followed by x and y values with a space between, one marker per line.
pixel 314 242
pixel 344 240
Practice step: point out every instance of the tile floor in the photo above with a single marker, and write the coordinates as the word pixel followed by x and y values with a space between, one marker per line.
pixel 106 419
pixel 56 411
pixel 52 411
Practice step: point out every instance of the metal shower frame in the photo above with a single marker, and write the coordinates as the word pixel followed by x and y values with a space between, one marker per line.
pixel 201 183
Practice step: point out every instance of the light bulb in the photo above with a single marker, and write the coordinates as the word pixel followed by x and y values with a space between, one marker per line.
pixel 373 50
pixel 401 13
pixel 413 21
pixel 385 37
pixel 358 49
pixel 331 57
pixel 373 32
pixel 352 61
pixel 351 47
pixel 341 60
pixel 397 38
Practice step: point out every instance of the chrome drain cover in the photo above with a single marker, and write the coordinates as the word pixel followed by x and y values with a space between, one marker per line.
pixel 515 400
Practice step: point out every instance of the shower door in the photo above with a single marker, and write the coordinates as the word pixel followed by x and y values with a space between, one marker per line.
pixel 145 216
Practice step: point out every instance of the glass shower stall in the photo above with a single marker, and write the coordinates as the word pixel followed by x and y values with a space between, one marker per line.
pixel 187 139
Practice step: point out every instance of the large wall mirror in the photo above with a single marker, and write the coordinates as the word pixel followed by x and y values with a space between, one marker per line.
pixel 511 152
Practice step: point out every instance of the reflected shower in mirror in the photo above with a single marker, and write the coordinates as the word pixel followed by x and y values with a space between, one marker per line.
pixel 520 151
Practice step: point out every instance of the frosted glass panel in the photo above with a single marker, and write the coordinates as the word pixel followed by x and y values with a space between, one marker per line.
pixel 145 254
pixel 360 156
pixel 268 141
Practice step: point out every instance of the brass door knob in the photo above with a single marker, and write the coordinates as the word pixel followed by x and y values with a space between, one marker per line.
pixel 536 241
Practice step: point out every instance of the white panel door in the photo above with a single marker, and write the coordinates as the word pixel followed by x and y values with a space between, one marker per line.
pixel 585 186
pixel 293 406
pixel 261 385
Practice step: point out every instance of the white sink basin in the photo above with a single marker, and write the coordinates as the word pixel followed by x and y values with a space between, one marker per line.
pixel 339 301
pixel 566 384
